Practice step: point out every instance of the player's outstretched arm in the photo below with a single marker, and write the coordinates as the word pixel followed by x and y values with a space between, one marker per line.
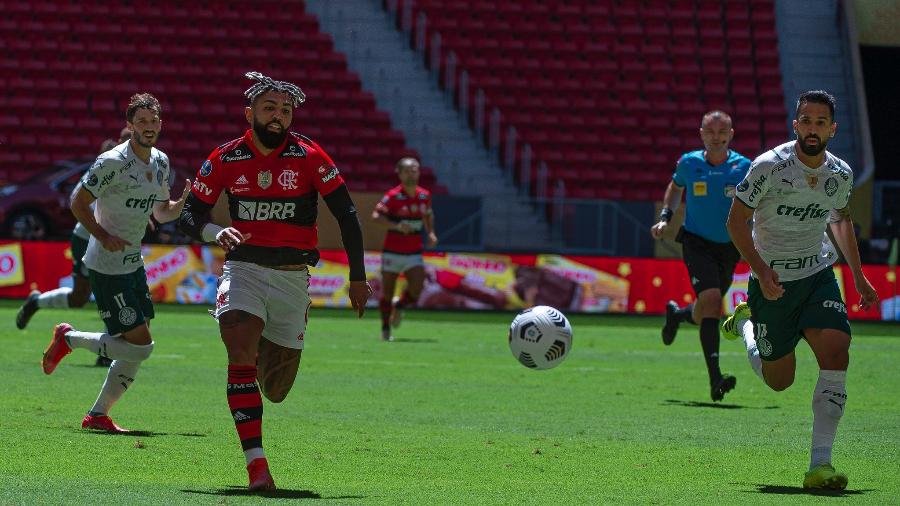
pixel 842 228
pixel 169 210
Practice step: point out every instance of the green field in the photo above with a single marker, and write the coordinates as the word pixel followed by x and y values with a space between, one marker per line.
pixel 444 415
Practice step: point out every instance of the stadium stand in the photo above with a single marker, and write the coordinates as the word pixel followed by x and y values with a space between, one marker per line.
pixel 609 93
pixel 67 69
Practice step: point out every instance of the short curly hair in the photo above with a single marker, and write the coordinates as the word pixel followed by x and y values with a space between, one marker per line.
pixel 141 101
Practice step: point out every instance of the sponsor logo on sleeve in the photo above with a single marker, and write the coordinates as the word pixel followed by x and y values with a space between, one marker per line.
pixel 757 188
pixel 742 187
pixel 92 180
pixel 200 187
pixel 333 172
pixel 206 168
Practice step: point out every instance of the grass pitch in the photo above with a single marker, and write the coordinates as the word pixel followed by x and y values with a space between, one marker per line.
pixel 444 415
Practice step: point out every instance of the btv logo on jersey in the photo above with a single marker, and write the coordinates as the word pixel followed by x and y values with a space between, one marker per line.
pixel 260 211
pixel 144 204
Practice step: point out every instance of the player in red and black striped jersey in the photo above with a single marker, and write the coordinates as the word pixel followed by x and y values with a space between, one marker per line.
pixel 406 211
pixel 272 179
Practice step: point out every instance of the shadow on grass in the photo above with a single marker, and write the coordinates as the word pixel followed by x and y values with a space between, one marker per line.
pixel 785 490
pixel 138 433
pixel 414 340
pixel 716 405
pixel 278 494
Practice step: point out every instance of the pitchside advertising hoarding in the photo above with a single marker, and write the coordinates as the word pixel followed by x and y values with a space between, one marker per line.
pixel 475 281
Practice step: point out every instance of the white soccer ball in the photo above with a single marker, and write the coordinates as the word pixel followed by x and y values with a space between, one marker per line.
pixel 540 337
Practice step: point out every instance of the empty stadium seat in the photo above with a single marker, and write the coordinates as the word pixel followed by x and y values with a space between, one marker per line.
pixel 670 60
pixel 64 67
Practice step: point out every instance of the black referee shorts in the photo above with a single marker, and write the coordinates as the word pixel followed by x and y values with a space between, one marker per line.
pixel 709 264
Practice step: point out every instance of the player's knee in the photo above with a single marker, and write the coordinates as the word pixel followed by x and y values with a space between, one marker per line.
pixel 143 352
pixel 779 384
pixel 274 394
pixel 413 293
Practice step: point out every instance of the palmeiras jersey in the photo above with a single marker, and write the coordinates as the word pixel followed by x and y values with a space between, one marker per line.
pixel 709 190
pixel 272 197
pixel 398 206
pixel 792 203
pixel 126 189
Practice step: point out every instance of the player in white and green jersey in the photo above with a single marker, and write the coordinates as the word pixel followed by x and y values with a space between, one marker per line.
pixel 79 293
pixel 792 193
pixel 125 185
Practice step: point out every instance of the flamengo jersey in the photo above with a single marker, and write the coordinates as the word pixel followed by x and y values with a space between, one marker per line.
pixel 397 206
pixel 126 189
pixel 792 203
pixel 274 197
pixel 709 190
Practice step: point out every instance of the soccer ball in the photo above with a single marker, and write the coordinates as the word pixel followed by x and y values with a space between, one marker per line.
pixel 540 337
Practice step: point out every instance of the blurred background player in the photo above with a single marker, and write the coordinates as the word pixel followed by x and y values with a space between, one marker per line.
pixel 80 292
pixel 710 176
pixel 125 184
pixel 791 193
pixel 272 178
pixel 405 210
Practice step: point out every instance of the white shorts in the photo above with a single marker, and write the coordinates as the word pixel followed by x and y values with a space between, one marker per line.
pixel 279 298
pixel 397 263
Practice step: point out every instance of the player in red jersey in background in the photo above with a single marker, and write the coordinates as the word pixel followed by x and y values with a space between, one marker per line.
pixel 272 179
pixel 405 210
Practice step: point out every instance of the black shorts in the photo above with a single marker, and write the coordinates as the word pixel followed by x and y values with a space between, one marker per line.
pixel 709 264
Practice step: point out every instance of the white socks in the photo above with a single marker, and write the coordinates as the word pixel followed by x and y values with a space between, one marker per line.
pixel 118 379
pixel 746 327
pixel 253 454
pixel 828 407
pixel 113 347
pixel 58 298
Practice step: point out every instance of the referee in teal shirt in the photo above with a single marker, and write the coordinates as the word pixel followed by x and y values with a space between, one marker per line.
pixel 710 176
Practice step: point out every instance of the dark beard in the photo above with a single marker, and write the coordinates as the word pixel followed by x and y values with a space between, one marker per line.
pixel 812 150
pixel 268 139
pixel 141 141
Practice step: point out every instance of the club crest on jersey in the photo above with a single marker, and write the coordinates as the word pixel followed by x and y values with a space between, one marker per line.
pixel 288 180
pixel 264 179
pixel 159 177
pixel 831 186
pixel 206 168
